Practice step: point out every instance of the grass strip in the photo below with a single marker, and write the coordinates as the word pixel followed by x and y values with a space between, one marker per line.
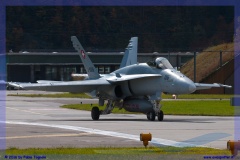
pixel 122 151
pixel 199 96
pixel 197 108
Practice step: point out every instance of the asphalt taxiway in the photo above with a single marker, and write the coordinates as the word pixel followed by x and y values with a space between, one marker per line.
pixel 40 123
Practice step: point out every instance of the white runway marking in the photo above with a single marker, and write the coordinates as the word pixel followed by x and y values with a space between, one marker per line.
pixel 155 141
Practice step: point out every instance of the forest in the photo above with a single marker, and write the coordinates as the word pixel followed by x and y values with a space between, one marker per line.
pixel 159 28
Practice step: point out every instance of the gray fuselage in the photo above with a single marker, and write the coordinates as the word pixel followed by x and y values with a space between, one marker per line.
pixel 171 81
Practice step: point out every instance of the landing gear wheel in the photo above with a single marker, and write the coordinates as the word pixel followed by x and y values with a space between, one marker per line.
pixel 95 113
pixel 148 116
pixel 160 116
pixel 151 116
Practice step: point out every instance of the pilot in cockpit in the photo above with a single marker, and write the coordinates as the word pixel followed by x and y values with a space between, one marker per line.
pixel 161 63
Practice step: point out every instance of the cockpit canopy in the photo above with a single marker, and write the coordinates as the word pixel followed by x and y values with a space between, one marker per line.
pixel 161 63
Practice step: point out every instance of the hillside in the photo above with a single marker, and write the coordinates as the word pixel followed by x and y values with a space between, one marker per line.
pixel 108 28
pixel 208 61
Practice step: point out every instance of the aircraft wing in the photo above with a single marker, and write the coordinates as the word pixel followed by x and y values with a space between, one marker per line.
pixel 3 82
pixel 200 86
pixel 71 86
pixel 121 78
pixel 46 81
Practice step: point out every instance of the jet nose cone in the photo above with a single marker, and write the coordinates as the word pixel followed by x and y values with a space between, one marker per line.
pixel 192 87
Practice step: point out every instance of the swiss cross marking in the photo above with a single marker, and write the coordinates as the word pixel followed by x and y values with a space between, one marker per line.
pixel 83 54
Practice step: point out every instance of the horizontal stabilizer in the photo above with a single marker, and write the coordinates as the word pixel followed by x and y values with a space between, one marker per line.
pixel 200 86
pixel 14 84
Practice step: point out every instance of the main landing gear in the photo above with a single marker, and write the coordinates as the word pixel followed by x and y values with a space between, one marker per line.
pixel 152 115
pixel 160 115
pixel 155 112
pixel 95 113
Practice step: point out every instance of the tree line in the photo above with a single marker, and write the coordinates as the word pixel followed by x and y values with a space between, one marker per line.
pixel 160 29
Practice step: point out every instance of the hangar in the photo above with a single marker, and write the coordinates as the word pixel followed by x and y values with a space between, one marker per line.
pixel 32 66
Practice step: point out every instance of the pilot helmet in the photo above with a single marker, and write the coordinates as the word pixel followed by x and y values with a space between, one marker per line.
pixel 158 62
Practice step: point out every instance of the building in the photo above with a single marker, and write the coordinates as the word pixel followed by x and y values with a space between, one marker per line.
pixel 33 66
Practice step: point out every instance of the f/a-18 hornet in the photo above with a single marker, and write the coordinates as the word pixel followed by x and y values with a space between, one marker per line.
pixel 136 87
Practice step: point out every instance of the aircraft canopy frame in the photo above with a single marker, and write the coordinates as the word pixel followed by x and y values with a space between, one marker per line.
pixel 160 63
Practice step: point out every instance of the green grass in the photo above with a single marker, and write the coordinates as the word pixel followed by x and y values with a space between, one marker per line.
pixel 59 95
pixel 198 108
pixel 122 151
pixel 116 153
pixel 199 96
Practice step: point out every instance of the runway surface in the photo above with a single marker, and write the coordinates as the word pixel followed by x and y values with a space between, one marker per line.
pixel 40 123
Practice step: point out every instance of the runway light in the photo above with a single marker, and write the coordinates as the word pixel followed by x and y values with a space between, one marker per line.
pixel 233 146
pixel 145 138
pixel 174 96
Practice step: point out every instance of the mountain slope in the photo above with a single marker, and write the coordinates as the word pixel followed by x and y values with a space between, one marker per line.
pixel 208 61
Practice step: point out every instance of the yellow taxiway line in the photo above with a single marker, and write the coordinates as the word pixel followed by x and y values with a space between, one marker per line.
pixel 50 135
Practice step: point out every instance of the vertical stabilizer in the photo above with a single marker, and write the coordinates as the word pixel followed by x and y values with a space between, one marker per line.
pixel 91 70
pixel 130 55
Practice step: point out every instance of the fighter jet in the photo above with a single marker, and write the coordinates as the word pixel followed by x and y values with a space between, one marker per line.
pixel 136 88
